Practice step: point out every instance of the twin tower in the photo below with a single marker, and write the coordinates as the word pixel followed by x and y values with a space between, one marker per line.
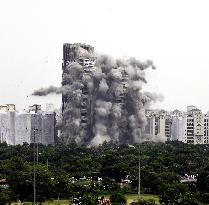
pixel 93 96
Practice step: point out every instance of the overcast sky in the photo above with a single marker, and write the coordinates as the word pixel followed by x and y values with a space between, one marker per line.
pixel 172 33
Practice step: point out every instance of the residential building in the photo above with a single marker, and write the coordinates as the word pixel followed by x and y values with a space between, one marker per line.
pixel 19 127
pixel 177 125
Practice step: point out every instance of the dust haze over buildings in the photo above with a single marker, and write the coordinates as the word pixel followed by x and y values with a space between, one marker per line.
pixel 102 97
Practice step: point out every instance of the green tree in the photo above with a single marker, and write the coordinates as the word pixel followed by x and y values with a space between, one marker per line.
pixel 171 193
pixel 88 199
pixel 110 185
pixel 20 178
pixel 118 198
pixel 62 186
pixel 203 180
pixel 189 199
pixel 5 196
pixel 44 182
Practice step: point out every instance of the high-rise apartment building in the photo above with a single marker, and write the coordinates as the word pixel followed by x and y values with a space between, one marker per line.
pixel 177 125
pixel 19 127
pixel 190 127
pixel 206 129
pixel 151 124
pixel 87 87
pixel 84 56
pixel 196 130
pixel 163 124
pixel 158 124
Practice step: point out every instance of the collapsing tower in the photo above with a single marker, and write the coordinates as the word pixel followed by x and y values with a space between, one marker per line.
pixel 101 97
pixel 83 55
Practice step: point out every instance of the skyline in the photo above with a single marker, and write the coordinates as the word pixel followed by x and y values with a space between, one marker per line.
pixel 172 34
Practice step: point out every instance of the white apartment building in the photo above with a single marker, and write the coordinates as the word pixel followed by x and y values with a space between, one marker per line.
pixel 206 129
pixel 177 125
pixel 190 127
pixel 19 127
pixel 150 126
pixel 158 124
pixel 196 129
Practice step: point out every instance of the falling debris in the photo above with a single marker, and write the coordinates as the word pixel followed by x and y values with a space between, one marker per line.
pixel 102 97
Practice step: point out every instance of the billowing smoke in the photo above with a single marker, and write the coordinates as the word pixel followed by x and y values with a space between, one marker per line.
pixel 103 101
pixel 46 91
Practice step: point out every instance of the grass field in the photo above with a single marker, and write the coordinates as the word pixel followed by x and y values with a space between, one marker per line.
pixel 134 197
pixel 130 198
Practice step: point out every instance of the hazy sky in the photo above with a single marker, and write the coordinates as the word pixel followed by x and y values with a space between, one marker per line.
pixel 172 33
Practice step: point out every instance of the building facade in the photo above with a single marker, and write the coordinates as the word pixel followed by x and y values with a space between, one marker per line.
pixel 87 87
pixel 190 127
pixel 83 55
pixel 196 130
pixel 7 107
pixel 177 125
pixel 19 127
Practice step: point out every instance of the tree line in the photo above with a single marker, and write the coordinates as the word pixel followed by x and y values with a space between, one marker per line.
pixel 67 170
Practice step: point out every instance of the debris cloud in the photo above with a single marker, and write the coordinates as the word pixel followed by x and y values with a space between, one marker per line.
pixel 46 91
pixel 103 99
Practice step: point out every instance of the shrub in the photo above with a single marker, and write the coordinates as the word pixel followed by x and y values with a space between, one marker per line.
pixel 118 198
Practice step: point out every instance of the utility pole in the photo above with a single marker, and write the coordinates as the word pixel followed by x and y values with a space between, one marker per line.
pixel 47 163
pixel 37 147
pixel 34 167
pixel 139 182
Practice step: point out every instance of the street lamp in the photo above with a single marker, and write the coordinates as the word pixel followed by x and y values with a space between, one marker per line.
pixel 139 171
pixel 139 182
pixel 35 160
pixel 34 167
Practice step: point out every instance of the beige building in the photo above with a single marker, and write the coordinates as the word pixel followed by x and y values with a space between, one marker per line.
pixel 158 124
pixel 163 124
pixel 206 129
pixel 196 130
pixel 7 107
pixel 190 127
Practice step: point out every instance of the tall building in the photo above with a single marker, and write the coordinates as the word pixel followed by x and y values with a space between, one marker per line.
pixel 7 131
pixel 150 126
pixel 158 124
pixel 177 125
pixel 163 124
pixel 206 129
pixel 91 95
pixel 83 55
pixel 22 128
pixel 190 127
pixel 196 130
